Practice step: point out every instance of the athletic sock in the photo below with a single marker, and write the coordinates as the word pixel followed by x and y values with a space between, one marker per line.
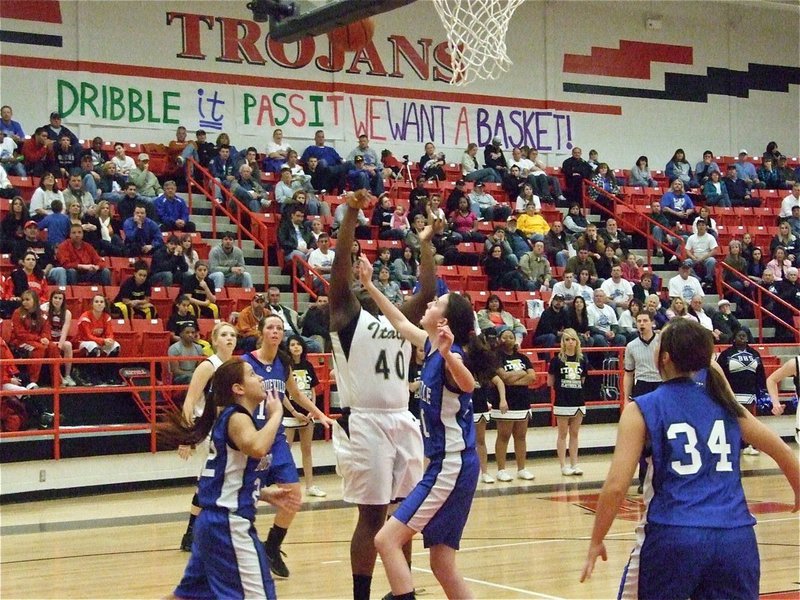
pixel 192 516
pixel 275 537
pixel 361 586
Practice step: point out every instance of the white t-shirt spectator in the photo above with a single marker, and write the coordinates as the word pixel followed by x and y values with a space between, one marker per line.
pixel 685 288
pixel 701 244
pixel 522 203
pixel 787 204
pixel 602 318
pixel 569 293
pixel 124 166
pixel 585 292
pixel 317 259
pixel 616 292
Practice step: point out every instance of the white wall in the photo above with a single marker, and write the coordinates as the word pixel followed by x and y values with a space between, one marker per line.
pixel 130 45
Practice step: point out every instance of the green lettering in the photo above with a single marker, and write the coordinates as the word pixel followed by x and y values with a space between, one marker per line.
pixel 171 108
pixel 280 120
pixel 151 116
pixel 104 101
pixel 88 96
pixel 316 122
pixel 63 86
pixel 116 108
pixel 135 111
pixel 249 102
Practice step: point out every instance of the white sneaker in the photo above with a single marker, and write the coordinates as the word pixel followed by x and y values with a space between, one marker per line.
pixel 750 451
pixel 503 475
pixel 316 492
pixel 576 470
pixel 525 474
pixel 32 386
pixel 486 478
pixel 68 381
pixel 567 471
pixel 562 198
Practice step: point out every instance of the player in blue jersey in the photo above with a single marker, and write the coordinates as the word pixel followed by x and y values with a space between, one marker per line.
pixel 223 340
pixel 228 560
pixel 696 539
pixel 274 366
pixel 439 505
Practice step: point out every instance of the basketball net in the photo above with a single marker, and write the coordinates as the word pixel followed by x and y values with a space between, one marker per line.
pixel 476 35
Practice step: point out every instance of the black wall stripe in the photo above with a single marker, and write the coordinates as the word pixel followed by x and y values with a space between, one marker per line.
pixel 34 39
pixel 696 88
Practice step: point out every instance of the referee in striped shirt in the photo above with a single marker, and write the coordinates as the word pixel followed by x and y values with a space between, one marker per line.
pixel 641 371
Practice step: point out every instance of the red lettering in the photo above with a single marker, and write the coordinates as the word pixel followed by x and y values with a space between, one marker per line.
pixel 463 121
pixel 419 62
pixel 276 51
pixel 444 70
pixel 333 61
pixel 302 120
pixel 190 33
pixel 233 46
pixel 335 100
pixel 373 116
pixel 369 55
pixel 265 108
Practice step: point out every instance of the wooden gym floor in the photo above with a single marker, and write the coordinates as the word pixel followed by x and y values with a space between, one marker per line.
pixel 523 540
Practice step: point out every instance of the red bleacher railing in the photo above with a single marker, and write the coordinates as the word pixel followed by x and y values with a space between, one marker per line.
pixel 258 225
pixel 305 283
pixel 628 217
pixel 757 303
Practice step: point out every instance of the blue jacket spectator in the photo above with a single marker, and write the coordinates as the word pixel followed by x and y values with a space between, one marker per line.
pixel 326 155
pixel 171 210
pixel 142 235
pixel 10 127
pixel 57 224
pixel 715 191
pixel 679 168
pixel 703 169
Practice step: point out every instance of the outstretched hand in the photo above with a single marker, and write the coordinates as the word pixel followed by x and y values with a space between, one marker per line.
pixel 281 498
pixel 595 551
pixel 364 270
pixel 444 338
pixel 359 199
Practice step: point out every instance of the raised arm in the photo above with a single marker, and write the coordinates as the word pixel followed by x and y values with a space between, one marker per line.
pixel 343 302
pixel 415 306
pixel 399 321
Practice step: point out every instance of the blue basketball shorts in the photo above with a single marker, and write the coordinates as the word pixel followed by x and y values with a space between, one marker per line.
pixel 693 562
pixel 439 505
pixel 227 561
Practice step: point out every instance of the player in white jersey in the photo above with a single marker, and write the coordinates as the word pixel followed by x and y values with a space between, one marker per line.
pixel 377 441
pixel 223 340
pixel 791 368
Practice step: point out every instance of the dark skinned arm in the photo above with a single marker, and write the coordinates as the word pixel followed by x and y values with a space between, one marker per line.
pixel 344 306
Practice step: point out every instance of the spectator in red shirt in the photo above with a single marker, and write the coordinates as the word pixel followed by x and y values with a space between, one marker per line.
pixel 96 337
pixel 81 260
pixel 30 333
pixel 38 154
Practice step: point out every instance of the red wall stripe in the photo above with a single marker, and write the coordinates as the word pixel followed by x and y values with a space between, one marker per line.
pixel 632 59
pixel 45 11
pixel 29 62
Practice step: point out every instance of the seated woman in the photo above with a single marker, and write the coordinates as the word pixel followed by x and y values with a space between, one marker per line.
pixel 736 261
pixel 606 263
pixel 756 266
pixel 13 224
pixel 779 264
pixel 503 273
pixel 30 334
pixel 679 168
pixel 640 174
pixel 787 240
pixel 95 337
pixel 578 319
pixel 627 320
pixel 704 169
pixel 526 196
pixel 715 191
pixel 389 288
pixel 493 317
pixel 28 276
pixel 604 179
pixel 575 223
pixel 464 222
pixel 133 298
pixel 60 319
pixel 678 309
pixel 406 269
pixel 110 242
pixel 471 170
pixel 201 291
pixel 631 269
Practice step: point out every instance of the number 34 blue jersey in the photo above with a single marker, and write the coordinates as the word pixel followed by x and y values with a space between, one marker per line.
pixel 695 459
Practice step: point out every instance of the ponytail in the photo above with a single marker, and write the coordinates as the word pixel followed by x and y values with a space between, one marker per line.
pixel 719 390
pixel 481 359
pixel 175 430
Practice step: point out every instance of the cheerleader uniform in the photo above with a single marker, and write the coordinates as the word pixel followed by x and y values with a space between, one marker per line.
pixel 568 384
pixel 518 397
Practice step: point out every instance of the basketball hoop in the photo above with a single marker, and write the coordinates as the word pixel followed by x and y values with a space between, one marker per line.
pixel 476 35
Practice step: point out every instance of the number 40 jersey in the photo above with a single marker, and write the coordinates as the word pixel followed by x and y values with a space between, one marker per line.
pixel 371 359
pixel 694 470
